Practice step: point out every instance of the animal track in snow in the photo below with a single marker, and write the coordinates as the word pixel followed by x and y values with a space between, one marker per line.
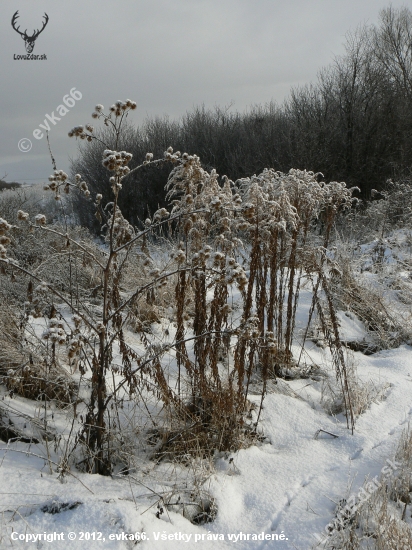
pixel 290 497
pixel 307 480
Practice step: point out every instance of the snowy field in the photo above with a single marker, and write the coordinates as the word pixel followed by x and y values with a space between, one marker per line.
pixel 279 493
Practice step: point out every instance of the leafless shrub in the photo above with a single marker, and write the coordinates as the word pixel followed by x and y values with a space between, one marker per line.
pixel 30 199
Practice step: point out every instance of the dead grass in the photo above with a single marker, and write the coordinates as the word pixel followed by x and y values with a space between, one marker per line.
pixel 368 303
pixel 362 393
pixel 12 354
pixel 23 369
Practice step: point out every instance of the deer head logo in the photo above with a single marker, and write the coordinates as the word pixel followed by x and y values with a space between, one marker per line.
pixel 28 40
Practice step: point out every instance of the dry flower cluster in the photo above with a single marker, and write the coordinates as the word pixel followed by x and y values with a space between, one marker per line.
pixel 250 238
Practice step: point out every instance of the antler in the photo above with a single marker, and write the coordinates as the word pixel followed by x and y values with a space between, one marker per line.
pixel 36 34
pixel 13 21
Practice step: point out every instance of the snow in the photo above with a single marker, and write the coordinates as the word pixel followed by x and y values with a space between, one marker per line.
pixel 287 487
pixel 290 484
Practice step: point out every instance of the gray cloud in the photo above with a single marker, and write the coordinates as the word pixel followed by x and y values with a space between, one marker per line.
pixel 167 56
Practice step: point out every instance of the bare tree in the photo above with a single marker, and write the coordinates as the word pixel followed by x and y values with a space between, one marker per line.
pixel 393 46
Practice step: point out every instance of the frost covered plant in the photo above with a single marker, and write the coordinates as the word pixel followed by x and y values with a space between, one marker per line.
pixel 55 332
pixel 278 211
pixel 4 239
pixel 270 215
pixel 212 222
pixel 90 337
pixel 362 393
pixel 393 209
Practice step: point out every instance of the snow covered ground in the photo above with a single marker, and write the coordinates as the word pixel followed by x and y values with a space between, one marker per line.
pixel 280 493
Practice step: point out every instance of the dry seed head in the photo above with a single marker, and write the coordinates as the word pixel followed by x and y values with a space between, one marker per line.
pixel 40 219
pixel 160 214
pixel 219 256
pixel 188 225
pixel 4 226
pixel 22 215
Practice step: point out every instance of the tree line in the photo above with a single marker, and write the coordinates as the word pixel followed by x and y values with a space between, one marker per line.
pixel 354 124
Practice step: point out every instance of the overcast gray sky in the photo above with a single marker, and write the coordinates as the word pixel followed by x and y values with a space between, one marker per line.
pixel 168 56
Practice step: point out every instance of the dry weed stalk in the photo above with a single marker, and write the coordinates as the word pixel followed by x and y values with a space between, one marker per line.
pixel 210 222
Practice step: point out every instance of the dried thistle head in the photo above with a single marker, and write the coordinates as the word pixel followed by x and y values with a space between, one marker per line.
pixel 40 219
pixel 4 226
pixel 24 216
